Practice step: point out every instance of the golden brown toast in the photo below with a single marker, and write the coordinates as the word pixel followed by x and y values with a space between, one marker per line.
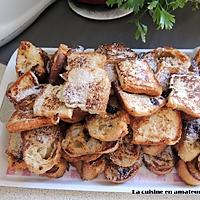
pixel 160 164
pixel 185 95
pixel 108 128
pixel 136 76
pixel 163 127
pixel 138 105
pixel 126 155
pixel 117 174
pixel 31 58
pixel 49 103
pixel 58 62
pixel 78 142
pixel 116 52
pixel 87 89
pixel 23 92
pixel 25 120
pixel 90 170
pixel 85 60
pixel 57 170
pixel 189 146
pixel 188 172
pixel 42 148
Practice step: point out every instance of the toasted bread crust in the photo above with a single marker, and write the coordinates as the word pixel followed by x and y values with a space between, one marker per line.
pixel 25 120
pixel 42 149
pixel 138 105
pixel 137 77
pixel 163 127
pixel 185 174
pixel 185 87
pixel 108 128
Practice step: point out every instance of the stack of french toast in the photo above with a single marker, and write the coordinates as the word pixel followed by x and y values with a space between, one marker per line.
pixel 107 110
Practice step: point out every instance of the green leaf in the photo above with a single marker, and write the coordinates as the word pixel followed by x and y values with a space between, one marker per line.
pixel 141 31
pixel 111 3
pixel 166 20
pixel 177 4
pixel 152 5
pixel 163 18
pixel 135 5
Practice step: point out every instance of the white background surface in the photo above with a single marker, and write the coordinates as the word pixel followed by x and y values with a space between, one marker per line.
pixel 8 193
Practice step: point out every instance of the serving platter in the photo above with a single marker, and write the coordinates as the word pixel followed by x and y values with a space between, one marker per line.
pixel 143 182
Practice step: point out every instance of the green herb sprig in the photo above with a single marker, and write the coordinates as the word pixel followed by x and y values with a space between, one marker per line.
pixel 161 12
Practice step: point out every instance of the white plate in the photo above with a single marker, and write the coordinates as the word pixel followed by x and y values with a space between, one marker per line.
pixel 143 181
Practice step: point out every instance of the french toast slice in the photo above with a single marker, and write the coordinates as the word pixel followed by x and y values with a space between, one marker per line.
pixel 42 148
pixel 138 105
pixel 163 127
pixel 116 52
pixel 189 145
pixel 14 152
pixel 167 61
pixel 57 63
pixel 57 170
pixel 111 127
pixel 25 120
pixel 117 174
pixel 24 90
pixel 126 155
pixel 49 103
pixel 78 142
pixel 87 89
pixel 188 172
pixel 136 76
pixel 90 170
pixel 31 58
pixel 160 164
pixel 185 94
pixel 85 60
